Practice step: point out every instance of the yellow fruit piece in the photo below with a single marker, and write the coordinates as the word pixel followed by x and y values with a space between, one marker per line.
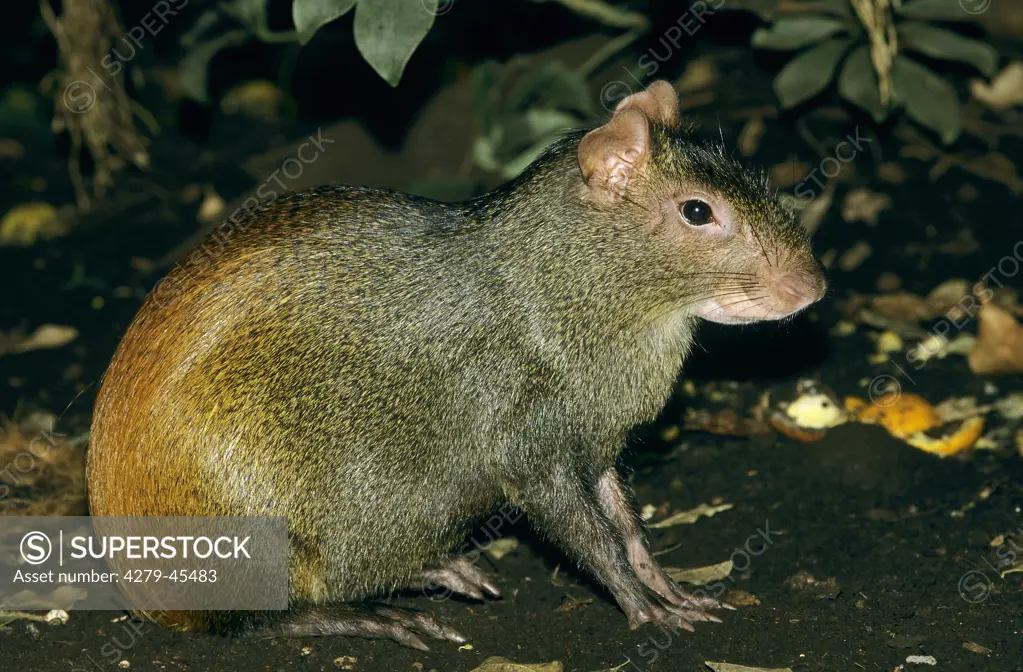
pixel 961 439
pixel 901 413
pixel 815 411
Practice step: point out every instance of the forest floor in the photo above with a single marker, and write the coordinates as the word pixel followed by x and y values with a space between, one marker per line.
pixel 850 553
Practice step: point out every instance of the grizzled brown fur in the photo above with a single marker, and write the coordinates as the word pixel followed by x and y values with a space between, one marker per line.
pixel 385 370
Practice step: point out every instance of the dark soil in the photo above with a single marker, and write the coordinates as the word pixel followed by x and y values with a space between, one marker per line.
pixel 898 540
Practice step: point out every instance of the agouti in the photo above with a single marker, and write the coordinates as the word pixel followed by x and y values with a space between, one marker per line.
pixel 386 370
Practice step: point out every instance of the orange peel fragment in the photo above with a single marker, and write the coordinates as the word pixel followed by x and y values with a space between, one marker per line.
pixel 912 418
pixel 958 440
pixel 902 414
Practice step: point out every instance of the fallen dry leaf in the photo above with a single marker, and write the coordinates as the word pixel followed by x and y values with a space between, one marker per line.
pixel 937 346
pixel 46 337
pixel 52 617
pixel 1011 407
pixel 888 282
pixel 11 149
pixel 211 207
pixel 26 223
pixel 729 667
pixel 788 174
pixel 973 647
pixel 991 166
pixel 499 664
pixel 891 172
pixel 999 346
pixel 345 662
pixel 499 548
pixel 741 598
pixel 805 581
pixel 700 73
pixel 961 408
pixel 812 214
pixel 921 660
pixel 945 299
pixel 569 603
pixel 1007 298
pixel 749 138
pixel 854 256
pixel 864 205
pixel 256 98
pixel 1004 91
pixel 701 576
pixel 725 422
pixel 889 342
pixel 691 516
pixel 901 306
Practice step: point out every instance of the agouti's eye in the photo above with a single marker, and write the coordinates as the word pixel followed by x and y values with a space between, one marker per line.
pixel 696 213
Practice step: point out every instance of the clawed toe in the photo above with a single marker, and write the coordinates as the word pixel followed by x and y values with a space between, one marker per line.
pixel 681 612
pixel 375 621
pixel 457 575
pixel 406 623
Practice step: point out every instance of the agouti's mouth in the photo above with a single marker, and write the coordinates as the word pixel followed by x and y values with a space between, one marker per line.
pixel 774 297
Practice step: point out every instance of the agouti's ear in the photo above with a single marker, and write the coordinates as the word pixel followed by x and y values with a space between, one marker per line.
pixel 659 102
pixel 611 155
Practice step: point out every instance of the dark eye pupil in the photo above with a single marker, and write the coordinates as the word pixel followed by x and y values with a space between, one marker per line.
pixel 696 212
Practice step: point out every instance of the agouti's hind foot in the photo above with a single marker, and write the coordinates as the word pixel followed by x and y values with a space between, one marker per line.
pixel 455 575
pixel 374 621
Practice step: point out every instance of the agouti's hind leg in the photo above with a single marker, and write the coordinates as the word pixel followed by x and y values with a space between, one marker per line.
pixel 455 574
pixel 374 621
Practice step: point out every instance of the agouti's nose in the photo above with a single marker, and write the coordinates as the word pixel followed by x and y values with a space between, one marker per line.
pixel 798 291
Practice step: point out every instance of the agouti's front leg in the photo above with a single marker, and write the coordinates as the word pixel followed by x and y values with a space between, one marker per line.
pixel 617 504
pixel 569 513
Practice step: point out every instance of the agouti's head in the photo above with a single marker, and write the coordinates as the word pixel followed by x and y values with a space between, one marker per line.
pixel 704 217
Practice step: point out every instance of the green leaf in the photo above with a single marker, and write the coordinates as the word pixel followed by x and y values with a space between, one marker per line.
pixel 523 130
pixel 809 73
pixel 196 63
pixel 943 10
pixel 512 168
pixel 768 9
pixel 252 13
pixel 388 31
pixel 858 84
pixel 929 99
pixel 553 84
pixel 311 15
pixel 797 31
pixel 948 46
